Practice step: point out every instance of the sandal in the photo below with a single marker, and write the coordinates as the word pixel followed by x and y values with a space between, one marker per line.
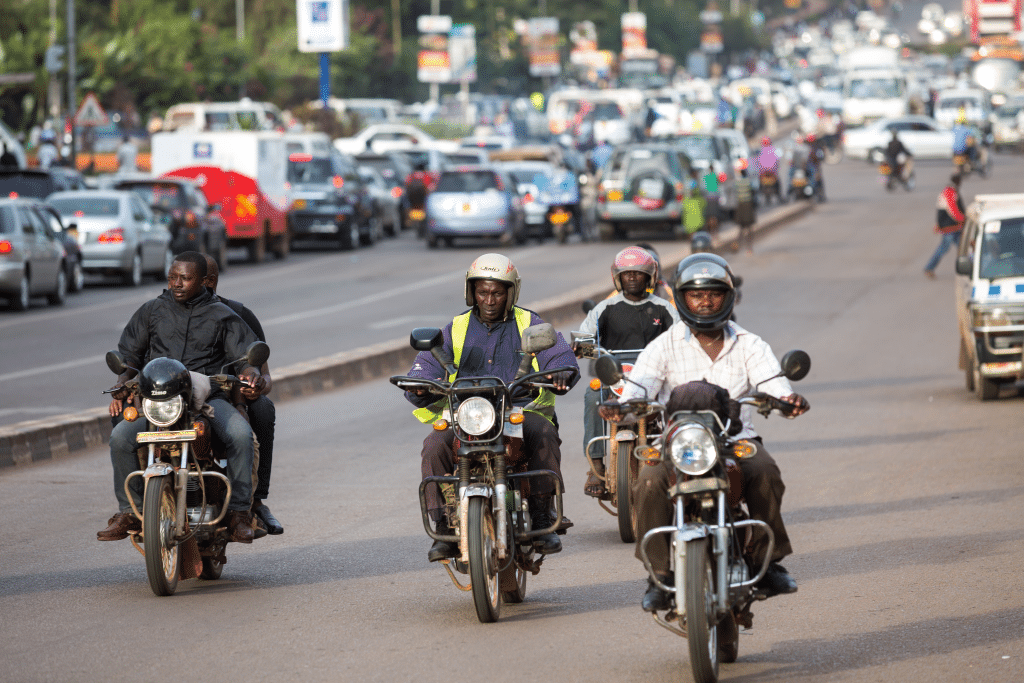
pixel 594 487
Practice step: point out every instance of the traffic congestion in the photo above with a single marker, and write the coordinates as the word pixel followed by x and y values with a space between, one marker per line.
pixel 404 404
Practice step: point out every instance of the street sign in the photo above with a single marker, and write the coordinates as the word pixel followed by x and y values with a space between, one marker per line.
pixel 323 25
pixel 91 113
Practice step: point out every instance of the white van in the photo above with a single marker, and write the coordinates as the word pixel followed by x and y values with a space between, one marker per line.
pixel 218 116
pixel 870 94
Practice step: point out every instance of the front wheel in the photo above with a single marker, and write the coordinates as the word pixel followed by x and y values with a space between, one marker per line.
pixel 699 601
pixel 158 531
pixel 483 560
pixel 625 478
pixel 212 568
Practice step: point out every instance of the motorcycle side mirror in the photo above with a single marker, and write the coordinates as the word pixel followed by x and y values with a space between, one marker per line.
pixel 257 354
pixel 588 305
pixel 116 363
pixel 537 338
pixel 964 265
pixel 426 338
pixel 795 365
pixel 608 369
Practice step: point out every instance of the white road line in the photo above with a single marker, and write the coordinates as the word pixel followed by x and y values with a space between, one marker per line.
pixel 28 372
pixel 406 320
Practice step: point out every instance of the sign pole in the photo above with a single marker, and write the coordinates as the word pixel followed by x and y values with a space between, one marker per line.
pixel 72 77
pixel 325 77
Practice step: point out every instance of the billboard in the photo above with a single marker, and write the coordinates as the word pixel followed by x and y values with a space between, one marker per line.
pixel 322 25
pixel 545 59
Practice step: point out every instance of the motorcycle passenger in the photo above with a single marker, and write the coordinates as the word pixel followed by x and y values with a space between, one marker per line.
pixel 261 411
pixel 485 341
pixel 630 319
pixel 186 323
pixel 892 157
pixel 707 346
pixel 813 165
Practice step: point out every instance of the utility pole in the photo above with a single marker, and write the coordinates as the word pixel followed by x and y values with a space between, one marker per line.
pixel 72 76
pixel 240 37
pixel 435 88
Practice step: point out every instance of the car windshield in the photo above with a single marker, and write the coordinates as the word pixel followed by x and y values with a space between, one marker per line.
pixel 317 170
pixel 606 111
pixel 1002 248
pixel 957 103
pixel 86 206
pixel 880 88
pixel 640 161
pixel 529 176
pixel 698 146
pixel 1009 111
pixel 25 185
pixel 167 196
pixel 471 181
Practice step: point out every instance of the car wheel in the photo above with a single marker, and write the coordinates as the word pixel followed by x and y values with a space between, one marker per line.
pixel 374 229
pixel 21 300
pixel 168 262
pixel 133 276
pixel 431 240
pixel 77 280
pixel 60 288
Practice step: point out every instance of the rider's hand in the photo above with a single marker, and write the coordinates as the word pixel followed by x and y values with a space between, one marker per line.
pixel 799 403
pixel 253 384
pixel 116 405
pixel 560 380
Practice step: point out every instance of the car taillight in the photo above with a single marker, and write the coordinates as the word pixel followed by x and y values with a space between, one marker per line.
pixel 13 195
pixel 527 198
pixel 396 192
pixel 190 220
pixel 722 177
pixel 680 192
pixel 338 181
pixel 112 236
pixel 742 163
pixel 6 247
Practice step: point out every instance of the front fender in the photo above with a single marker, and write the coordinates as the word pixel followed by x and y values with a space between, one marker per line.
pixel 158 469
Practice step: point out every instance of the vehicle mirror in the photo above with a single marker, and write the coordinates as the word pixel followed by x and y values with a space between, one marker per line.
pixel 116 363
pixel 964 265
pixel 215 208
pixel 70 226
pixel 796 365
pixel 608 369
pixel 257 354
pixel 426 338
pixel 537 338
pixel 588 305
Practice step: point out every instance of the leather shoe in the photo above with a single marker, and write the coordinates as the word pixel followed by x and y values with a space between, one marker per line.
pixel 548 543
pixel 443 550
pixel 273 526
pixel 118 527
pixel 776 581
pixel 240 526
pixel 655 599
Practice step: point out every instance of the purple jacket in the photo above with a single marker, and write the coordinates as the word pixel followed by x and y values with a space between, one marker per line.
pixel 489 353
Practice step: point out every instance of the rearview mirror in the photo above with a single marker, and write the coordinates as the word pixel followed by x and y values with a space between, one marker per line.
pixel 964 265
pixel 426 338
pixel 537 338
pixel 608 369
pixel 115 361
pixel 588 305
pixel 796 365
pixel 257 354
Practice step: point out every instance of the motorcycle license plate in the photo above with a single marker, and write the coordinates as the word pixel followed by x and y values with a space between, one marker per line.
pixel 959 160
pixel 163 437
pixel 884 169
pixel 767 180
pixel 417 214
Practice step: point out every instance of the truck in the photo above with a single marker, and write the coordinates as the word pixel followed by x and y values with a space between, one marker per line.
pixel 991 18
pixel 244 173
pixel 874 87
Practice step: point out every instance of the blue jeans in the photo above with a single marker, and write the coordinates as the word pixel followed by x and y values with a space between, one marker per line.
pixel 228 424
pixel 949 239
pixel 592 423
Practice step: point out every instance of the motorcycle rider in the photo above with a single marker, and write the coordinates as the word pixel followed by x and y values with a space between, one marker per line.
pixel 707 346
pixel 485 341
pixel 261 411
pixel 963 135
pixel 630 319
pixel 892 157
pixel 187 323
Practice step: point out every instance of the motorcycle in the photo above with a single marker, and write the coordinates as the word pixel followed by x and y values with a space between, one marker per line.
pixel 903 173
pixel 771 188
pixel 980 162
pixel 186 485
pixel 486 500
pixel 713 586
pixel 416 193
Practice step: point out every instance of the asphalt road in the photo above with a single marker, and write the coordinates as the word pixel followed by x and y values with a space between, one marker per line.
pixel 904 503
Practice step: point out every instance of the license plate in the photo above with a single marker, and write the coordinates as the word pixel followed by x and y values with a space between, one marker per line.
pixel 768 180
pixel 300 203
pixel 959 159
pixel 884 169
pixel 615 196
pixel 465 208
pixel 163 437
pixel 322 228
pixel 559 217
pixel 417 214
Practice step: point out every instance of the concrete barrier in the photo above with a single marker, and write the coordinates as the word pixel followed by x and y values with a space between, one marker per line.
pixel 37 440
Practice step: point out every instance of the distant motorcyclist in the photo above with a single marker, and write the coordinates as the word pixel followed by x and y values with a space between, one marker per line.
pixel 768 156
pixel 964 138
pixel 629 320
pixel 485 341
pixel 707 346
pixel 893 150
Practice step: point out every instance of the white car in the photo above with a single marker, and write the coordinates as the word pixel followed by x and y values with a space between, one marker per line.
pixel 385 137
pixel 974 103
pixel 922 135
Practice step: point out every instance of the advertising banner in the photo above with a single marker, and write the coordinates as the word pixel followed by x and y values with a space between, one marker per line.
pixel 322 25
pixel 545 59
pixel 634 32
pixel 433 64
pixel 462 53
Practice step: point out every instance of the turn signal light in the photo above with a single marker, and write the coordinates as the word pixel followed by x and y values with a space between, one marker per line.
pixel 595 384
pixel 131 414
pixel 648 453
pixel 516 418
pixel 440 425
pixel 200 427
pixel 6 247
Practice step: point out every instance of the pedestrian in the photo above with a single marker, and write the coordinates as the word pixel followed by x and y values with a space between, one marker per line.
pixel 950 221
pixel 47 154
pixel 127 155
pixel 746 214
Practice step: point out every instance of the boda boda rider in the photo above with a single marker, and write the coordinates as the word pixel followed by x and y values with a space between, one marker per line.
pixel 485 342
pixel 630 319
pixel 186 323
pixel 709 347
pixel 261 411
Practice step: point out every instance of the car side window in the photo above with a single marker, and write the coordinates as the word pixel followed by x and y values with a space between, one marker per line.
pixel 43 224
pixel 967 242
pixel 27 227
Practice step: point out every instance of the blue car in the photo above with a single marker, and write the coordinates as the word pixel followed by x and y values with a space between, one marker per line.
pixel 475 201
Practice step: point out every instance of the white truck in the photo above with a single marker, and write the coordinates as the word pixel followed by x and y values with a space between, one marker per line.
pixel 244 173
pixel 874 87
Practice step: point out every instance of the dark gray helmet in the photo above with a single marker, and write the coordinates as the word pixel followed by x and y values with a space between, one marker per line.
pixel 164 378
pixel 700 242
pixel 704 271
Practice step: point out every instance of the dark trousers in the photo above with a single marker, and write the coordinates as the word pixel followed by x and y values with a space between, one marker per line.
pixel 540 439
pixel 762 487
pixel 262 417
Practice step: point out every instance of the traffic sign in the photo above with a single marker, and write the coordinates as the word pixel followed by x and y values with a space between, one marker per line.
pixel 91 113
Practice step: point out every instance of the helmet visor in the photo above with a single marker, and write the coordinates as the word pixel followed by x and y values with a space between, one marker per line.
pixel 704 275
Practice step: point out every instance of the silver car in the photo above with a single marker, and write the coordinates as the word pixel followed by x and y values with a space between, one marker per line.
pixel 475 201
pixel 119 235
pixel 32 258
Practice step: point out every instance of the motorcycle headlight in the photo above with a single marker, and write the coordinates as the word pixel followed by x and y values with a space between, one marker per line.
pixel 163 413
pixel 475 416
pixel 693 449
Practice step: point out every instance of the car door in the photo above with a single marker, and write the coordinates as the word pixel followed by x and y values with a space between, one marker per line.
pixel 145 227
pixel 965 283
pixel 43 252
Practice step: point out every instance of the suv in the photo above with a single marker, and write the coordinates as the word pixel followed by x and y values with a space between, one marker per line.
pixel 990 293
pixel 643 185
pixel 37 183
pixel 194 224
pixel 330 200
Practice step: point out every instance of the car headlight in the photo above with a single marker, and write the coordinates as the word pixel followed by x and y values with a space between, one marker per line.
pixel 163 413
pixel 475 416
pixel 693 449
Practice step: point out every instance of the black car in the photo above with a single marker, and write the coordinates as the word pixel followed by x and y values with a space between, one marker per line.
pixel 37 183
pixel 331 201
pixel 68 236
pixel 394 167
pixel 194 224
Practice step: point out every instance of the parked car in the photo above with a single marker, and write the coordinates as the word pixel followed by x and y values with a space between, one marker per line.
pixel 69 239
pixel 922 135
pixel 194 225
pixel 476 201
pixel 643 185
pixel 37 183
pixel 386 203
pixel 32 258
pixel 117 232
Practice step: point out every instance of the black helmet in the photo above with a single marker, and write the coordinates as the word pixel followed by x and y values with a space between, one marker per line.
pixel 700 242
pixel 704 271
pixel 163 378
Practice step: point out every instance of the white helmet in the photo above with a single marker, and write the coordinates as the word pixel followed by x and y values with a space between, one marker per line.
pixel 494 267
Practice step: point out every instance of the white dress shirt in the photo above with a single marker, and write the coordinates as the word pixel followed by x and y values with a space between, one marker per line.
pixel 677 357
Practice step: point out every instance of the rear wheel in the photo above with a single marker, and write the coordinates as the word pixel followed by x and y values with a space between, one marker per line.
pixel 348 236
pixel 60 288
pixel 483 560
pixel 699 601
pixel 258 248
pixel 986 388
pixel 625 478
pixel 133 276
pixel 77 280
pixel 21 299
pixel 374 230
pixel 158 531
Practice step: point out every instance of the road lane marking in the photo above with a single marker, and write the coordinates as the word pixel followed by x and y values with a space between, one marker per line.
pixel 28 372
pixel 405 321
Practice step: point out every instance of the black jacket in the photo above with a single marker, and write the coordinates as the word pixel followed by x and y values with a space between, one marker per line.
pixel 202 333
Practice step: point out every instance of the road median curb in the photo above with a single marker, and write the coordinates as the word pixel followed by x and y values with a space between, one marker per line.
pixel 39 440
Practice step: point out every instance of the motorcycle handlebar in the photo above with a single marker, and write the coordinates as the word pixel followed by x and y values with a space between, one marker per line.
pixel 529 379
pixel 409 383
pixel 766 403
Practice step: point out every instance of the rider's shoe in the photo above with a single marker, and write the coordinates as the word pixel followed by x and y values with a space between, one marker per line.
pixel 443 550
pixel 655 599
pixel 269 521
pixel 540 518
pixel 118 527
pixel 240 526
pixel 776 581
